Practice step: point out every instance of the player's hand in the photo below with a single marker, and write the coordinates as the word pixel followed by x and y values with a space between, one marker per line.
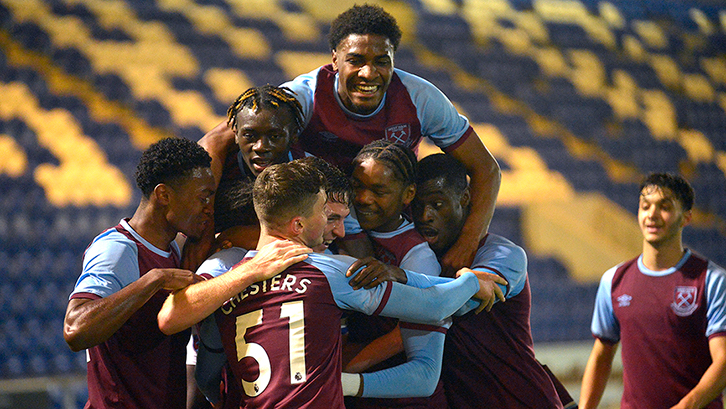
pixel 273 258
pixel 373 273
pixel 245 237
pixel 195 251
pixel 460 255
pixel 176 278
pixel 489 291
pixel 220 245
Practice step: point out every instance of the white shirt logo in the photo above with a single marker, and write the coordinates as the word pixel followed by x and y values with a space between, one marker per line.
pixel 624 300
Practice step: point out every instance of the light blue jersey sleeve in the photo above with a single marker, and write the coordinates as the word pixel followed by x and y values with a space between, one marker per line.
pixel 418 305
pixel 110 263
pixel 304 88
pixel 501 256
pixel 421 259
pixel 221 261
pixel 351 223
pixel 440 121
pixel 420 374
pixel 210 359
pixel 604 324
pixel 715 299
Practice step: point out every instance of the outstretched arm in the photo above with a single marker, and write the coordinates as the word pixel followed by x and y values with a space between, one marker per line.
pixel 485 180
pixel 430 305
pixel 186 307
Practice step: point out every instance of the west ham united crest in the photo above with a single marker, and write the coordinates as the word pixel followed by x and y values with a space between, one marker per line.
pixel 399 134
pixel 684 301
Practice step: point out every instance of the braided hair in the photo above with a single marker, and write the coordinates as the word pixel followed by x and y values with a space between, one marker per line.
pixel 400 159
pixel 268 96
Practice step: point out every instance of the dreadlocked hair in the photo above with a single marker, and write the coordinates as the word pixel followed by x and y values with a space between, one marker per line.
pixel 400 159
pixel 269 96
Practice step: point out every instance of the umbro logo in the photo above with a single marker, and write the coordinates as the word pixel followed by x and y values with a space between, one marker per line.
pixel 624 300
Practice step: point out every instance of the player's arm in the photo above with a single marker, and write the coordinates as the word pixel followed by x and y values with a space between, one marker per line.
pixel 218 142
pixel 490 288
pixel 210 360
pixel 486 177
pixel 377 351
pixel 713 381
pixel 429 305
pixel 190 305
pixel 424 351
pixel 89 322
pixel 597 372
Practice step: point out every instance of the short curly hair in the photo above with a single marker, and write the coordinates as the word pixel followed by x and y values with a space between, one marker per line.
pixel 169 161
pixel 365 19
pixel 441 165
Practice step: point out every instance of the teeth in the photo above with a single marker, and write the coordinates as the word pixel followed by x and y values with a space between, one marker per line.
pixel 367 88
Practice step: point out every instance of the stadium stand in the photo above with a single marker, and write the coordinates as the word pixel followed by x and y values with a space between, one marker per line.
pixel 577 99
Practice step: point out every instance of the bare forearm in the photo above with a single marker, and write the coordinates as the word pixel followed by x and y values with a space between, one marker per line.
pixel 192 304
pixel 485 176
pixel 709 387
pixel 377 351
pixel 91 322
pixel 485 181
pixel 596 375
pixel 218 143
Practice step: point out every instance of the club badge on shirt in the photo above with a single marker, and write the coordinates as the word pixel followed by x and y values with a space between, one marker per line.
pixel 684 300
pixel 399 134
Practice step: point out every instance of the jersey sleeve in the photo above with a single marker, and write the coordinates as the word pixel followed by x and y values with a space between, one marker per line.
pixel 210 359
pixel 604 324
pixel 440 121
pixel 429 305
pixel 420 305
pixel 420 374
pixel 504 258
pixel 421 259
pixel 304 88
pixel 109 264
pixel 221 262
pixel 351 223
pixel 716 300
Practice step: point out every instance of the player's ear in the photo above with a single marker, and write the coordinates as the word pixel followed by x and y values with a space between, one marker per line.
pixel 335 60
pixel 687 217
pixel 296 225
pixel 465 198
pixel 161 193
pixel 408 194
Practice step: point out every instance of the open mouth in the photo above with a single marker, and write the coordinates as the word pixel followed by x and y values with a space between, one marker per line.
pixel 428 232
pixel 260 164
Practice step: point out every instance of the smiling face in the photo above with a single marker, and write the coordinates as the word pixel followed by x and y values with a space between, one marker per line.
pixel 365 66
pixel 379 197
pixel 191 203
pixel 439 213
pixel 660 216
pixel 264 137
